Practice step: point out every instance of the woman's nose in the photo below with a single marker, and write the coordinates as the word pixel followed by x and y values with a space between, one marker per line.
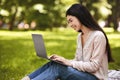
pixel 71 26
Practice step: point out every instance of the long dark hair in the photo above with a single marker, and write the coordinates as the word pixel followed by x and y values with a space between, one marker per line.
pixel 84 16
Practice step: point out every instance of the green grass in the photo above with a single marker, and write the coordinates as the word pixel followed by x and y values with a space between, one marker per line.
pixel 18 58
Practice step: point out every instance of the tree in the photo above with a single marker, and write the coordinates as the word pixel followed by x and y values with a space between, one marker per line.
pixel 27 13
pixel 115 16
pixel 95 5
pixel 12 7
pixel 6 6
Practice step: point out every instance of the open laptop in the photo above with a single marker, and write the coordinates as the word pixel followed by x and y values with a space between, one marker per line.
pixel 39 45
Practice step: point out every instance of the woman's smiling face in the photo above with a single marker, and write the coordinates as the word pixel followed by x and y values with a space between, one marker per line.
pixel 74 22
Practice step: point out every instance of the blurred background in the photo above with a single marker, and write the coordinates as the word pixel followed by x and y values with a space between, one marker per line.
pixel 21 18
pixel 47 14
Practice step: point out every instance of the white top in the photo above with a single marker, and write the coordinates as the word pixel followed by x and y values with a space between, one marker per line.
pixel 92 57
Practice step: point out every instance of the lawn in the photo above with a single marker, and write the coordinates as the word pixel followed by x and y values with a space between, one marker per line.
pixel 18 58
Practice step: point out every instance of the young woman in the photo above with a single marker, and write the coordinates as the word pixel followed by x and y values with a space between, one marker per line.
pixel 92 53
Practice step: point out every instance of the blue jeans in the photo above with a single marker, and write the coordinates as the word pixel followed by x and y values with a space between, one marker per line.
pixel 54 71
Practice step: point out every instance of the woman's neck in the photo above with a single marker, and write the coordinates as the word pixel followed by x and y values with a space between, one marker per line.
pixel 85 30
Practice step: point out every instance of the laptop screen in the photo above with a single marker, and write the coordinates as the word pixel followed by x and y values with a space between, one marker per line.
pixel 39 45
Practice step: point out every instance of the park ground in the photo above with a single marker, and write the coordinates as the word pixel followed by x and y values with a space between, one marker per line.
pixel 18 58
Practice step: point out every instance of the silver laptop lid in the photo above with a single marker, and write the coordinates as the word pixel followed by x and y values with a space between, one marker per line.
pixel 39 45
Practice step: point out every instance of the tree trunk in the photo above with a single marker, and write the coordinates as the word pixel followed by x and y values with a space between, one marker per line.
pixel 115 23
pixel 11 23
pixel 116 14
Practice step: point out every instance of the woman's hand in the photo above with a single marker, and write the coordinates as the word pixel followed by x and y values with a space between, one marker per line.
pixel 60 59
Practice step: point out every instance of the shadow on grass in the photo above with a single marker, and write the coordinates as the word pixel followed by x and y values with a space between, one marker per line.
pixel 116 57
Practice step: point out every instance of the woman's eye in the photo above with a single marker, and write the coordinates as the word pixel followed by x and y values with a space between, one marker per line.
pixel 69 21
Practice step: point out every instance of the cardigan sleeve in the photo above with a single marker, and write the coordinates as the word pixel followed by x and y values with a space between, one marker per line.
pixel 95 60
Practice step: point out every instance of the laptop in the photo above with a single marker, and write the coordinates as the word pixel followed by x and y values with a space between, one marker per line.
pixel 39 46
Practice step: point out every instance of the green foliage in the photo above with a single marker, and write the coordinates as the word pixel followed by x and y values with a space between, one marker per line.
pixel 98 8
pixel 18 58
pixel 20 11
pixel 54 11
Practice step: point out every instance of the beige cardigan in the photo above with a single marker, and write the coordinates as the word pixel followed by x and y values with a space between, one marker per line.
pixel 92 57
